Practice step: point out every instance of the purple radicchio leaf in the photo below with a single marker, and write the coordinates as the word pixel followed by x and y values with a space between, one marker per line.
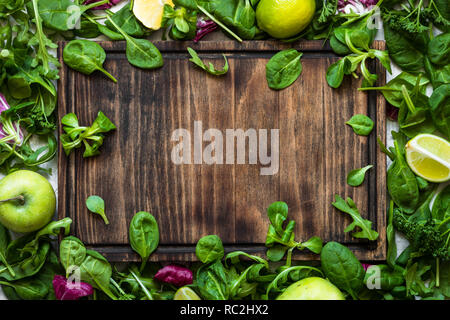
pixel 356 6
pixel 16 134
pixel 366 266
pixel 174 274
pixel 203 28
pixel 103 6
pixel 392 112
pixel 67 290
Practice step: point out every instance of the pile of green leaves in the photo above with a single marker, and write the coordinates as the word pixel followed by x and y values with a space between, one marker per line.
pixel 180 21
pixel 29 263
pixel 353 38
pixel 27 72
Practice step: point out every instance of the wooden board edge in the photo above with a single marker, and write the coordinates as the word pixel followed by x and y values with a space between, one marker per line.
pixel 374 253
pixel 187 253
pixel 62 159
pixel 225 46
pixel 381 252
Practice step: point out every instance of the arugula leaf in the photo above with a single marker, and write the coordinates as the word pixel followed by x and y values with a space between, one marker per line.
pixel 210 69
pixel 358 221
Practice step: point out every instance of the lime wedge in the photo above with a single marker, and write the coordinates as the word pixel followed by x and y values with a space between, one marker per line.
pixel 429 157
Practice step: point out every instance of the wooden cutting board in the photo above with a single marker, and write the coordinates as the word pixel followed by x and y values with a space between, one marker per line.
pixel 135 171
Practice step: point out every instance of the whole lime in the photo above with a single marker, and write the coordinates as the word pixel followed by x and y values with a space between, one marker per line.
pixel 284 18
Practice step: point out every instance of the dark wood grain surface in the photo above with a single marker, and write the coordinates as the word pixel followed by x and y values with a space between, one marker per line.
pixel 135 173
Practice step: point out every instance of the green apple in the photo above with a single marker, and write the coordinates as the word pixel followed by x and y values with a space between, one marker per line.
pixel 312 288
pixel 32 201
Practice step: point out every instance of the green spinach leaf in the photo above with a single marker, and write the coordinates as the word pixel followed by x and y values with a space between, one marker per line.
pixel 356 177
pixel 342 268
pixel 440 108
pixel 283 69
pixel 96 205
pixel 209 248
pixel 140 53
pixel 85 56
pixel 361 124
pixel 144 235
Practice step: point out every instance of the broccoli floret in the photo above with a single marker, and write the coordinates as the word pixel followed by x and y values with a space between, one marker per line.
pixel 38 123
pixel 424 238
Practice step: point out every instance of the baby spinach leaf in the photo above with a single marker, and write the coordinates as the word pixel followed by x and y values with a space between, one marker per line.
pixel 238 15
pixel 209 248
pixel 358 221
pixel 212 281
pixel 361 124
pixel 342 268
pixel 28 289
pixel 140 53
pixel 401 182
pixel 444 278
pixel 402 50
pixel 414 115
pixel 4 241
pixel 336 71
pixel 441 208
pixel 144 235
pixel 96 204
pixel 356 177
pixel 388 278
pixel 85 56
pixel 439 49
pixel 391 255
pixel 62 15
pixel 28 266
pixel 88 29
pixel 210 69
pixel 97 271
pixel 72 252
pixel 440 108
pixel 392 91
pixel 126 20
pixel 415 285
pixel 283 69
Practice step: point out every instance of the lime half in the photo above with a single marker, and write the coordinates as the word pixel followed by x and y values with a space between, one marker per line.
pixel 429 157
